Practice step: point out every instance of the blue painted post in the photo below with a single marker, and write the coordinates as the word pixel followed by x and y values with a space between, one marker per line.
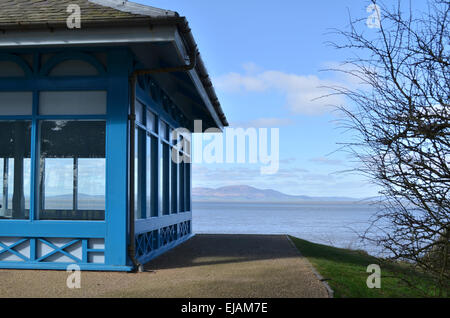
pixel 119 65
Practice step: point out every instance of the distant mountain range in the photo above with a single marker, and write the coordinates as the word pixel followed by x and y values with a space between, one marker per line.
pixel 247 193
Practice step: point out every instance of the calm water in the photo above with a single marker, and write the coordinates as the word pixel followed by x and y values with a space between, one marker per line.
pixel 336 223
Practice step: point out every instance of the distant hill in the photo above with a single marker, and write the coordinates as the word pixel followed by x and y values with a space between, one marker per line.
pixel 248 193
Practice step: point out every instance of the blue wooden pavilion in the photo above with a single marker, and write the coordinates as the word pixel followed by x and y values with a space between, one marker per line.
pixel 86 121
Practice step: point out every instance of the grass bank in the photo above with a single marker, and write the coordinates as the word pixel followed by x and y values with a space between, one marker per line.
pixel 345 271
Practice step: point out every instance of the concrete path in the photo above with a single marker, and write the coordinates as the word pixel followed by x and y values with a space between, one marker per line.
pixel 205 266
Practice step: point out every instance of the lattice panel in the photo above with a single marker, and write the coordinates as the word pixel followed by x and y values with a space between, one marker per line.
pixel 52 250
pixel 184 228
pixel 149 242
pixel 14 249
pixel 168 234
pixel 146 243
pixel 57 250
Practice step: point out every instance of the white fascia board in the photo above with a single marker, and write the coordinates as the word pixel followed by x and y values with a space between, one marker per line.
pixel 181 50
pixel 98 36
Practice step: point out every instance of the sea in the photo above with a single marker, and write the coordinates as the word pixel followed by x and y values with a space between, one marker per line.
pixel 338 224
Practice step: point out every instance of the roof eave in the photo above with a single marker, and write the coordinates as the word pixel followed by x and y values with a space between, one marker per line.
pixel 183 29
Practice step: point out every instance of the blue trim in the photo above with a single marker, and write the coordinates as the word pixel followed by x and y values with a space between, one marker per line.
pixel 150 224
pixel 63 229
pixel 63 266
pixel 168 231
pixel 33 249
pixel 84 247
pixel 34 161
pixel 53 84
pixel 119 65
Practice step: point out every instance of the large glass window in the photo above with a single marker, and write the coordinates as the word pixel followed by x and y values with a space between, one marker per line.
pixel 72 170
pixel 181 184
pixel 139 176
pixel 166 189
pixel 174 187
pixel 164 180
pixel 15 169
pixel 188 186
pixel 152 173
pixel 88 167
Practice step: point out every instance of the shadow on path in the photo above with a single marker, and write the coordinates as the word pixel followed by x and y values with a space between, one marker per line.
pixel 205 249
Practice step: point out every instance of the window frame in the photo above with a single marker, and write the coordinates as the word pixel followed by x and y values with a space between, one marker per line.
pixel 36 81
pixel 158 136
pixel 7 173
pixel 40 202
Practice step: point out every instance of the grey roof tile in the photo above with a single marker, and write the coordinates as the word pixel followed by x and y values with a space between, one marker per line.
pixel 18 14
pixel 23 12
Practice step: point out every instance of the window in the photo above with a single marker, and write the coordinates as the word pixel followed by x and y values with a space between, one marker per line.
pixel 184 180
pixel 151 121
pixel 181 183
pixel 152 176
pixel 139 176
pixel 166 188
pixel 188 186
pixel 163 130
pixel 140 115
pixel 72 170
pixel 164 183
pixel 187 173
pixel 174 187
pixel 87 168
pixel 15 169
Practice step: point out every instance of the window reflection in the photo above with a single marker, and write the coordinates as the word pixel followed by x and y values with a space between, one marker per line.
pixel 164 179
pixel 139 178
pixel 166 187
pixel 91 191
pixel 72 170
pixel 15 137
pixel 152 172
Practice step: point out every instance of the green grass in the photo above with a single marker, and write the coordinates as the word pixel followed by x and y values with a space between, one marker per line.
pixel 345 271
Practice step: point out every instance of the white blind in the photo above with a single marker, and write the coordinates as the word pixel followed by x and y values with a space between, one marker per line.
pixel 72 103
pixel 16 103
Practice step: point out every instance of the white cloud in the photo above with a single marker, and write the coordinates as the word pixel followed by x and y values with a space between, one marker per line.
pixel 304 94
pixel 251 67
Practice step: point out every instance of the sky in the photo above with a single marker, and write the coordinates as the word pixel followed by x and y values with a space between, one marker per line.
pixel 267 62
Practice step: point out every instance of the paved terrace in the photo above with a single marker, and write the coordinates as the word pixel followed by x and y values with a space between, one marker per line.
pixel 205 266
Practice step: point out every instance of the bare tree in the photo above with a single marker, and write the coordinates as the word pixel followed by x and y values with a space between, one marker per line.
pixel 400 118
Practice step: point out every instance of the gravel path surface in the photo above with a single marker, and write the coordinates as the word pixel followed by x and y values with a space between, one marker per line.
pixel 205 266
